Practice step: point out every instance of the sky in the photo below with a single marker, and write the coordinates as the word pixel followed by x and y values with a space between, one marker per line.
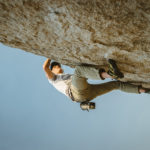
pixel 35 116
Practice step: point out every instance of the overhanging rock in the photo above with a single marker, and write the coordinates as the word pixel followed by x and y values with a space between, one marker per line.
pixel 82 32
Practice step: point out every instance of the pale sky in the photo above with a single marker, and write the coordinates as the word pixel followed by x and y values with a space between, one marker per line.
pixel 35 116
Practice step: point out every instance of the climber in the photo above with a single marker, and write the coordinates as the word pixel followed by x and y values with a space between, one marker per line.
pixel 79 90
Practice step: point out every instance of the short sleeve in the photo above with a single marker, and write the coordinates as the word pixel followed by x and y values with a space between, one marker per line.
pixel 54 78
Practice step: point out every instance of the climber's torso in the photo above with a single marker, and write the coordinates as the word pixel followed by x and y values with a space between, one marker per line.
pixel 61 82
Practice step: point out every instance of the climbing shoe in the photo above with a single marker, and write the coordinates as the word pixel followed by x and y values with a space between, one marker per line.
pixel 147 91
pixel 87 105
pixel 114 70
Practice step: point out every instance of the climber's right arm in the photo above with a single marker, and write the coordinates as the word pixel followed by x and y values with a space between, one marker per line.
pixel 49 73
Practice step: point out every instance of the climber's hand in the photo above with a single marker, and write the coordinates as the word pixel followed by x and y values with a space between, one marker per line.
pixel 48 59
pixel 46 63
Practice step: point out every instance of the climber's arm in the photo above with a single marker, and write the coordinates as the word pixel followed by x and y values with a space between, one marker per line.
pixel 48 72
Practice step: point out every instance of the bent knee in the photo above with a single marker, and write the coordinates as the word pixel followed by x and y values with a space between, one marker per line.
pixel 78 71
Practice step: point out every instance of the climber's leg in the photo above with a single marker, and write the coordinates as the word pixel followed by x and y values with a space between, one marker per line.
pixel 82 73
pixel 79 84
pixel 100 89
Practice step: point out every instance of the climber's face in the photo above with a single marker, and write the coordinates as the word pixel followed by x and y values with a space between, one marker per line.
pixel 57 70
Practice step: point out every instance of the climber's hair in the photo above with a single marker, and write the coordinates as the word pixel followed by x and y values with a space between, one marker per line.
pixel 54 64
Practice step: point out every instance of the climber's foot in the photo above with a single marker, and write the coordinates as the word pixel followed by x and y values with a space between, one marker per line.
pixel 147 91
pixel 114 70
pixel 144 90
pixel 105 75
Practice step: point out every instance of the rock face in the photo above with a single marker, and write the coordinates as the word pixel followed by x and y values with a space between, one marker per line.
pixel 82 32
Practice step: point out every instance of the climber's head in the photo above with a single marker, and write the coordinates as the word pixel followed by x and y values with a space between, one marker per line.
pixel 56 68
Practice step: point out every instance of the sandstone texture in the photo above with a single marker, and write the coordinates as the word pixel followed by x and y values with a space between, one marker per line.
pixel 77 32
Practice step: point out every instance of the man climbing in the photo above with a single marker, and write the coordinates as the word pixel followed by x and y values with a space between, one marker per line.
pixel 79 90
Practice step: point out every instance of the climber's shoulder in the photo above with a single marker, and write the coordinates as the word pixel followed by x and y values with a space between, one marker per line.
pixel 49 73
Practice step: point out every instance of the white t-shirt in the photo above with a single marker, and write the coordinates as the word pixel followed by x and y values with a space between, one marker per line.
pixel 60 82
